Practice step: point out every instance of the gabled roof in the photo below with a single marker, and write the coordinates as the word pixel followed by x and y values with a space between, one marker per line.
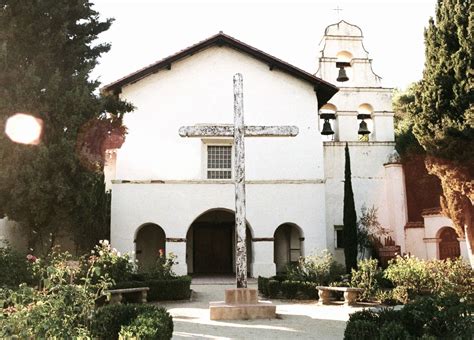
pixel 324 90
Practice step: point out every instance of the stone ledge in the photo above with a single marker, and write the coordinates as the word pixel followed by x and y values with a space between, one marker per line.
pixel 260 310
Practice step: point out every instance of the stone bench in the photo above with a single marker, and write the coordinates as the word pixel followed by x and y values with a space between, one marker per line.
pixel 350 294
pixel 116 294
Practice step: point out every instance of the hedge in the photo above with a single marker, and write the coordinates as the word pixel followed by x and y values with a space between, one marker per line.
pixel 278 286
pixel 177 288
pixel 107 321
pixel 427 318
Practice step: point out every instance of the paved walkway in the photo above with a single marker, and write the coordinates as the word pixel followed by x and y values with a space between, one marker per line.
pixel 295 319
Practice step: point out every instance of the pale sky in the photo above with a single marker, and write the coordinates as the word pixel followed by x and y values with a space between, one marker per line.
pixel 145 31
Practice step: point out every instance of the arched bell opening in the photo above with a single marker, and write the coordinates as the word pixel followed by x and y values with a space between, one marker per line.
pixel 288 246
pixel 327 118
pixel 366 126
pixel 343 63
pixel 211 244
pixel 150 239
pixel 448 246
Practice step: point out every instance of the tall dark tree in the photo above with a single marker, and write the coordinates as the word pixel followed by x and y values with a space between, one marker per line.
pixel 47 51
pixel 444 110
pixel 350 218
pixel 423 189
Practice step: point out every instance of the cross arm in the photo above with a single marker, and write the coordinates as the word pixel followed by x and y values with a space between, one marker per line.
pixel 228 131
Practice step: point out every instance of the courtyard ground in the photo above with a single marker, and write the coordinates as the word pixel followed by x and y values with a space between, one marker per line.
pixel 295 319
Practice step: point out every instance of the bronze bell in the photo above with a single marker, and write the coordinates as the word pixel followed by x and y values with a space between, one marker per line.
pixel 363 130
pixel 327 130
pixel 342 75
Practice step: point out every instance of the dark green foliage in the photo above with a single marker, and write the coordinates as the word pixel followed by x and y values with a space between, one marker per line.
pixel 393 331
pixel 444 98
pixel 427 317
pixel 177 288
pixel 444 109
pixel 14 268
pixel 150 325
pixel 273 288
pixel 47 51
pixel 171 289
pixel 262 283
pixel 108 320
pixel 287 289
pixel 350 218
pixel 361 330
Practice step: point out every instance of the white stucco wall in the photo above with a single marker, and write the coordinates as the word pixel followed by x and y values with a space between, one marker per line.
pixel 368 182
pixel 198 89
pixel 285 176
pixel 174 206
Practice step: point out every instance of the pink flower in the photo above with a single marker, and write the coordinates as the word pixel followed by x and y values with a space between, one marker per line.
pixel 161 252
pixel 31 258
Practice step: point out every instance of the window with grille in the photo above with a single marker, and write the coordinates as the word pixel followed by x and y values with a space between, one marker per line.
pixel 219 161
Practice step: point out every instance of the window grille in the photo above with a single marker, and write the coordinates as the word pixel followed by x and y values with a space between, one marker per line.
pixel 219 161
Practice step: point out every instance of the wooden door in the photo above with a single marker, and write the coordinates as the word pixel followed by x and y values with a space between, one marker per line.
pixel 212 248
pixel 449 244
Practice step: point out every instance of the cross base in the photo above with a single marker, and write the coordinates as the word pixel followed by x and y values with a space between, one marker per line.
pixel 241 304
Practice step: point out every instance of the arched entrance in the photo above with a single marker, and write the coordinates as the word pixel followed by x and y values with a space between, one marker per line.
pixel 211 243
pixel 449 244
pixel 149 239
pixel 287 246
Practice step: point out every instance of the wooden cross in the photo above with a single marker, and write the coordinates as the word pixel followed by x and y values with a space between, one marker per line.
pixel 338 10
pixel 239 131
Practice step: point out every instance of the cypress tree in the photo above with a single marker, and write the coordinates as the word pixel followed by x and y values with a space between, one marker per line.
pixel 444 110
pixel 47 51
pixel 350 217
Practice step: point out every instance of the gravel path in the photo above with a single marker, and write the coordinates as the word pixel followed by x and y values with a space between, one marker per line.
pixel 295 319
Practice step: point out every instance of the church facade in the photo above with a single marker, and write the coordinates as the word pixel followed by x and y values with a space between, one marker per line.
pixel 177 194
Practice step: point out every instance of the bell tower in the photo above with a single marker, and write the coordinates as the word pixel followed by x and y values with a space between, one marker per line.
pixel 362 108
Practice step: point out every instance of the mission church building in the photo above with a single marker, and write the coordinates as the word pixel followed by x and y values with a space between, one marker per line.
pixel 177 194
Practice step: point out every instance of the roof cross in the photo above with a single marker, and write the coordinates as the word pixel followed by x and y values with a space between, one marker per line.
pixel 338 10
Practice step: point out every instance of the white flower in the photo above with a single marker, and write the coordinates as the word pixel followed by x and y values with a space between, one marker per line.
pixel 105 242
pixel 118 253
pixel 101 253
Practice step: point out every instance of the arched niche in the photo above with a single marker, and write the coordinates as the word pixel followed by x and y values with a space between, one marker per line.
pixel 365 108
pixel 364 116
pixel 288 245
pixel 150 238
pixel 211 243
pixel 448 246
pixel 328 113
pixel 344 56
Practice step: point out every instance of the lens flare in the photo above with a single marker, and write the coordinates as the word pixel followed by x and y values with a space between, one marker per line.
pixel 24 128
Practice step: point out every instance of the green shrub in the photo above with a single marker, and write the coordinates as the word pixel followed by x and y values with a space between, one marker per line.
pixel 307 290
pixel 163 268
pixel 60 309
pixel 385 297
pixel 367 277
pixel 412 277
pixel 409 275
pixel 262 283
pixel 177 288
pixel 107 262
pixel 156 324
pixel 320 269
pixel 273 288
pixel 446 317
pixel 107 321
pixel 393 331
pixel 14 267
pixel 289 289
pixel 361 330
